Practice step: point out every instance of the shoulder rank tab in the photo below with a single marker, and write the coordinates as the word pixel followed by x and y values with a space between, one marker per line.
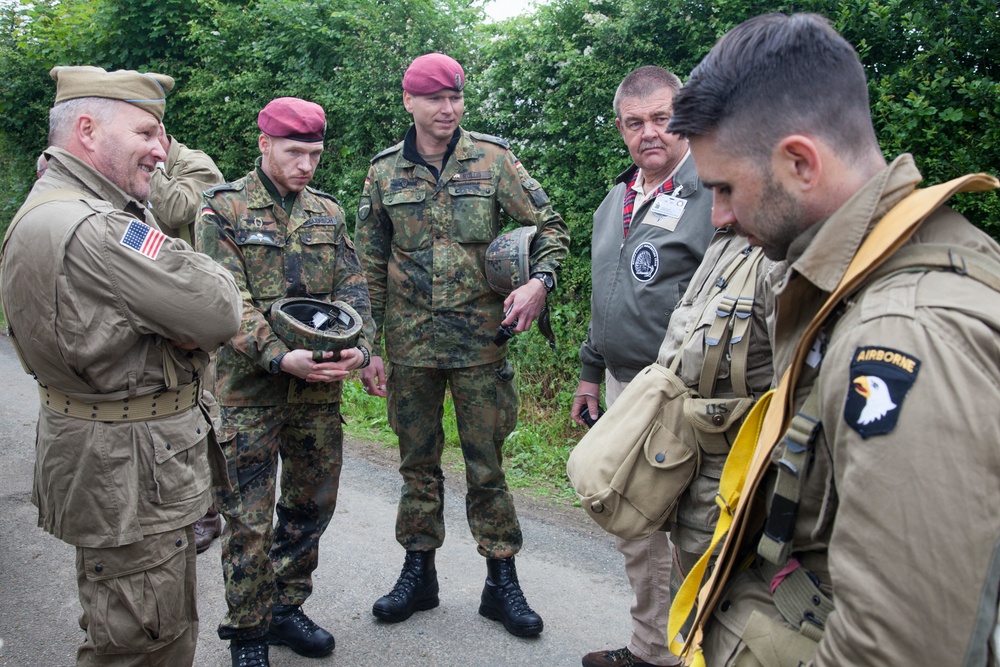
pixel 320 193
pixel 479 136
pixel 235 186
pixel 388 151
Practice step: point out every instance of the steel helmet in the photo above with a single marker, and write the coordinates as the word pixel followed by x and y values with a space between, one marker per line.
pixel 507 265
pixel 310 324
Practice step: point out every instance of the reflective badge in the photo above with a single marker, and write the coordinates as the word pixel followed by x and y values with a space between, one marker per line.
pixel 645 262
pixel 880 380
pixel 364 208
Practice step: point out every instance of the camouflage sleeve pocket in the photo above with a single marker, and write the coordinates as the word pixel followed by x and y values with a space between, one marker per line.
pixel 535 191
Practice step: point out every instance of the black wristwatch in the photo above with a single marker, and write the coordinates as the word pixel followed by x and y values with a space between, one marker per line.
pixel 275 366
pixel 547 280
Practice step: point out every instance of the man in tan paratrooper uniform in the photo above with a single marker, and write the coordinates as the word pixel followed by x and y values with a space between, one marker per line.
pixel 278 399
pixel 116 321
pixel 872 538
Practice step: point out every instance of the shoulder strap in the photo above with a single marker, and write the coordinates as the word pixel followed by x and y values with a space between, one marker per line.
pixel 729 331
pixel 58 194
pixel 738 283
pixel 885 238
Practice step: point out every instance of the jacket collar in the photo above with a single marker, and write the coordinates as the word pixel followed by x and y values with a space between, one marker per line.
pixel 259 197
pixel 823 252
pixel 686 177
pixel 68 171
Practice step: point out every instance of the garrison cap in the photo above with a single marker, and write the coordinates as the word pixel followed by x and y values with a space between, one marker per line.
pixel 293 118
pixel 432 72
pixel 146 90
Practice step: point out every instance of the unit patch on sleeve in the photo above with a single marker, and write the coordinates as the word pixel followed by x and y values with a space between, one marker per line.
pixel 880 380
pixel 143 239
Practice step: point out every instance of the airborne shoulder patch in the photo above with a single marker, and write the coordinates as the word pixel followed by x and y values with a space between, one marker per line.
pixel 880 379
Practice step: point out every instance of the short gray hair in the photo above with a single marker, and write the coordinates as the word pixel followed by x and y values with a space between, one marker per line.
pixel 643 82
pixel 62 116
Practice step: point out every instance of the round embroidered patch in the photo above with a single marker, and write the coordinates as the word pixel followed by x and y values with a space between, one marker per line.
pixel 645 262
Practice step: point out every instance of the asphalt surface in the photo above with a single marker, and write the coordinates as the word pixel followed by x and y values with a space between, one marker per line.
pixel 569 569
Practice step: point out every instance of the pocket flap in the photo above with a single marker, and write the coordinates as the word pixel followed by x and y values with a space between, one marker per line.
pixel 471 189
pixel 319 235
pixel 101 564
pixel 404 197
pixel 716 415
pixel 665 450
pixel 177 434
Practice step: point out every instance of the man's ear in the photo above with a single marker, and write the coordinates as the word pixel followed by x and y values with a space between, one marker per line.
pixel 86 129
pixel 264 144
pixel 797 162
pixel 407 102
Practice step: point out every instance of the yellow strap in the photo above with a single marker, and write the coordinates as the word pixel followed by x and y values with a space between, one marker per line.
pixel 891 232
pixel 730 486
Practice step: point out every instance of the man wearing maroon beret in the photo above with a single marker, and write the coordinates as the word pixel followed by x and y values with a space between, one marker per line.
pixel 430 208
pixel 279 238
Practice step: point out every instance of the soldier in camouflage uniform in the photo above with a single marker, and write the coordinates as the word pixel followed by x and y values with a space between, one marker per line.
pixel 279 239
pixel 430 208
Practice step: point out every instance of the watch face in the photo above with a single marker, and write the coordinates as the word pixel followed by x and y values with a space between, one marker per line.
pixel 546 280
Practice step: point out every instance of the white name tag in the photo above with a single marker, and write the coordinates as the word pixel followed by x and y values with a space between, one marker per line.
pixel 666 212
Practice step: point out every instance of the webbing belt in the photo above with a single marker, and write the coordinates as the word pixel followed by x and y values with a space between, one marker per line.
pixel 132 409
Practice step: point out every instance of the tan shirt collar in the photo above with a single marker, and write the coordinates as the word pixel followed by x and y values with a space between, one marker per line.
pixel 823 252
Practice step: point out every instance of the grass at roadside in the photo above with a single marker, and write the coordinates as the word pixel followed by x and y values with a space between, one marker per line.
pixel 534 455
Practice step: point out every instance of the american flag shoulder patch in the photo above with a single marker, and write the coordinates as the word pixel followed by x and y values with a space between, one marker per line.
pixel 143 239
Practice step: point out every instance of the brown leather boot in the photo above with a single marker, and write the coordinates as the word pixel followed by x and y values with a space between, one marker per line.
pixel 206 529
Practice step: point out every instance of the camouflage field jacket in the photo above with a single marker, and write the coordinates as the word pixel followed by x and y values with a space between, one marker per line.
pixel 273 255
pixel 423 246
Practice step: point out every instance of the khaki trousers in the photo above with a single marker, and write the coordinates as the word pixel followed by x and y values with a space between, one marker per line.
pixel 647 566
pixel 139 602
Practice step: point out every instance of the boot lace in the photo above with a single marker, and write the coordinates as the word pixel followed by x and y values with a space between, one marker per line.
pixel 623 656
pixel 252 654
pixel 408 579
pixel 511 591
pixel 300 620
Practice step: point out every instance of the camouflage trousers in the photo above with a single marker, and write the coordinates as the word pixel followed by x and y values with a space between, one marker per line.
pixel 485 399
pixel 139 602
pixel 265 565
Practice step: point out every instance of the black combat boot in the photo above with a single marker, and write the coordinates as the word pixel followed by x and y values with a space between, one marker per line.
pixel 503 600
pixel 249 652
pixel 415 590
pixel 292 628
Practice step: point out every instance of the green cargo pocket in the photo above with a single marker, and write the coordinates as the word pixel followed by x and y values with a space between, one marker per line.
pixel 137 594
pixel 229 499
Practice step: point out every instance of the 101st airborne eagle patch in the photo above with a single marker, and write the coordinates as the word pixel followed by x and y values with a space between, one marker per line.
pixel 880 380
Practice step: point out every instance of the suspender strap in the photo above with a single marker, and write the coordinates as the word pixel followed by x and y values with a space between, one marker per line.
pixel 736 306
pixel 729 328
pixel 740 339
pixel 776 542
pixel 885 238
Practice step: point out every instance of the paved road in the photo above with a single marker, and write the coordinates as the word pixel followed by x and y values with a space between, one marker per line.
pixel 569 569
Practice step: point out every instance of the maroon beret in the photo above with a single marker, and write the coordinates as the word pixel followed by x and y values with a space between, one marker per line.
pixel 292 118
pixel 433 72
